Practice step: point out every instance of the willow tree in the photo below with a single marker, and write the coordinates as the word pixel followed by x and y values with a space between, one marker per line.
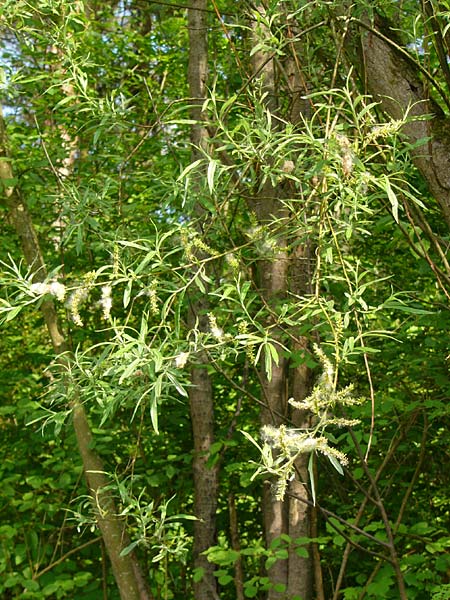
pixel 233 205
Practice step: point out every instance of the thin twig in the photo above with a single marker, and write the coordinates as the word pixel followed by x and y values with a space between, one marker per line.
pixel 387 526
pixel 65 556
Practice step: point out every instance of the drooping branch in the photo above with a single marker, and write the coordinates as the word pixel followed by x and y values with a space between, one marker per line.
pixel 125 569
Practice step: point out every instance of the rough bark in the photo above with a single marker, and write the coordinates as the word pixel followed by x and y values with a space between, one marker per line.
pixel 290 516
pixel 395 80
pixel 205 480
pixel 126 572
pixel 200 393
pixel 300 581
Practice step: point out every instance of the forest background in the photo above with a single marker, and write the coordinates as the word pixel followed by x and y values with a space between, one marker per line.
pixel 224 301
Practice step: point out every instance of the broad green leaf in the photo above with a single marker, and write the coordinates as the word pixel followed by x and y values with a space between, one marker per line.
pixel 198 574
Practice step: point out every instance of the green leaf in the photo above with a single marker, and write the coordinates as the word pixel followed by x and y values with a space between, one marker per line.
pixel 222 556
pixel 210 175
pixel 336 464
pixel 250 591
pixel 177 385
pixel 127 293
pixel 129 548
pixel 189 168
pixel 252 440
pixel 311 477
pixel 198 574
pixel 224 579
pixel 12 313
pixel 154 414
pixel 392 198
pixel 270 356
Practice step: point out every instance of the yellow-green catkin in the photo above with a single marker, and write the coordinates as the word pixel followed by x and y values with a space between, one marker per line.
pixel 115 258
pixel 79 295
pixel 153 297
pixel 216 331
pixel 346 154
pixel 249 348
pixel 193 244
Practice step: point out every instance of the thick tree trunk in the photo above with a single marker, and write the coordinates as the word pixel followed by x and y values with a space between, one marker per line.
pixel 126 571
pixel 394 80
pixel 201 393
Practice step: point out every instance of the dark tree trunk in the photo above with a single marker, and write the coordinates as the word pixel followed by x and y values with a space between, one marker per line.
pixel 200 392
pixel 275 279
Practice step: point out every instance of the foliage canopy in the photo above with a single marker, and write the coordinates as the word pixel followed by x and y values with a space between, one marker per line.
pixel 282 239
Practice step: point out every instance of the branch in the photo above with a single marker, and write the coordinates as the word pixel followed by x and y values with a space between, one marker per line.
pixel 125 569
pixel 65 556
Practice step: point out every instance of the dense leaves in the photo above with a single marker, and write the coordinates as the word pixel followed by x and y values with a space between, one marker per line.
pixel 135 233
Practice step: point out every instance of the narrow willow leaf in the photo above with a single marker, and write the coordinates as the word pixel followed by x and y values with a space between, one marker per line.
pixel 268 361
pixel 311 477
pixel 130 370
pixel 12 313
pixel 148 257
pixel 336 464
pixel 210 175
pixel 198 282
pixel 274 354
pixel 154 414
pixel 252 440
pixel 182 516
pixel 129 548
pixel 180 389
pixel 392 199
pixel 189 168
pixel 127 293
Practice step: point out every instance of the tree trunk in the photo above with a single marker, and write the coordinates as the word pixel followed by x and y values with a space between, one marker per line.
pixel 201 393
pixel 394 80
pixel 290 516
pixel 126 571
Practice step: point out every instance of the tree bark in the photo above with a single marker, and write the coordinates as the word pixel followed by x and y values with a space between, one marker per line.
pixel 394 79
pixel 126 571
pixel 290 516
pixel 201 392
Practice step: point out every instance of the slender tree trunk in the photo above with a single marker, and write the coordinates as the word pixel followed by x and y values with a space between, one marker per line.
pixel 275 272
pixel 236 545
pixel 201 393
pixel 300 575
pixel 126 571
